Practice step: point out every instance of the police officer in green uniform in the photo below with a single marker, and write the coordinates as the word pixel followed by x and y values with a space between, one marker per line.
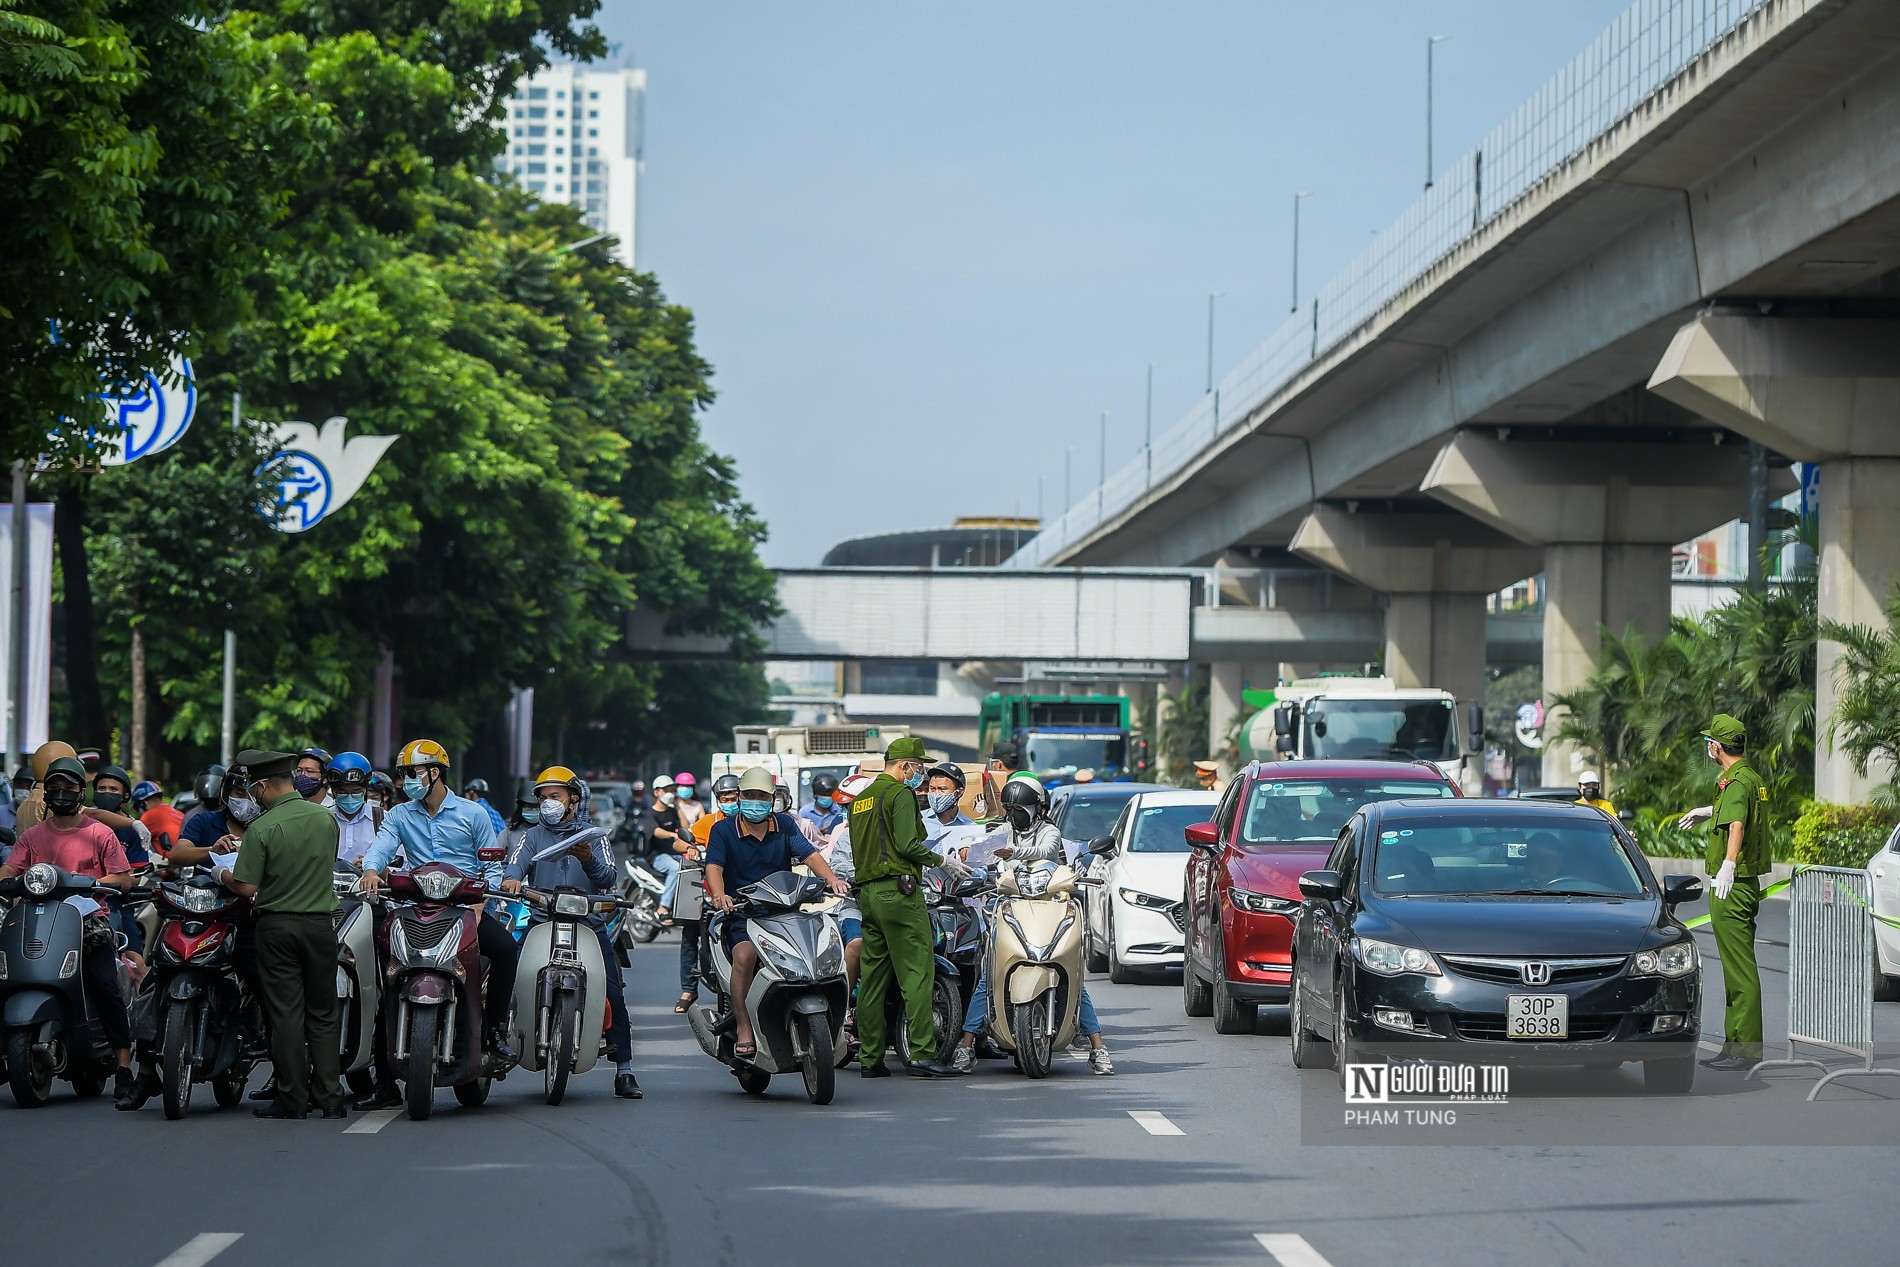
pixel 889 850
pixel 285 866
pixel 1737 860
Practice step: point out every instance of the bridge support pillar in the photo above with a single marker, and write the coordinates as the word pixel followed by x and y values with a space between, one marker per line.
pixel 1225 682
pixel 1435 570
pixel 1823 390
pixel 1606 514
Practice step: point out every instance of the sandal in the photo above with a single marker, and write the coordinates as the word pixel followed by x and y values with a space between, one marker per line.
pixel 685 1004
pixel 664 916
pixel 745 1051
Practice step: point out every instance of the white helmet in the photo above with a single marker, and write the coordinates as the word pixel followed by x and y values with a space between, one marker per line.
pixel 1589 776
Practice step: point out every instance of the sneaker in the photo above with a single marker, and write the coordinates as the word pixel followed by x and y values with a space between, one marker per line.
pixel 963 1060
pixel 1100 1063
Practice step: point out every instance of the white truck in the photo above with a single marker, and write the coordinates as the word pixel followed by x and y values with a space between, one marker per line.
pixel 798 754
pixel 1369 718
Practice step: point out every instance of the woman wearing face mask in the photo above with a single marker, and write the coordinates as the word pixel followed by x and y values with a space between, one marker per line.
pixel 689 805
pixel 357 817
pixel 538 861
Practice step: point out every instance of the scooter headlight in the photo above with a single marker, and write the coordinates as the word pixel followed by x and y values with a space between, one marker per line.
pixel 575 904
pixel 39 879
pixel 436 885
pixel 830 951
pixel 785 959
pixel 197 901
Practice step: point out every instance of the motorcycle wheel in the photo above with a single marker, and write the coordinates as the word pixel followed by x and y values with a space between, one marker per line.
pixel 472 1095
pixel 87 1087
pixel 643 923
pixel 946 1019
pixel 1034 1053
pixel 561 1053
pixel 229 1090
pixel 821 1075
pixel 419 1077
pixel 753 1081
pixel 29 1076
pixel 174 1066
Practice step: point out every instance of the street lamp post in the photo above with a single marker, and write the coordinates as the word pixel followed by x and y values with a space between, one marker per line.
pixel 1210 337
pixel 1430 44
pixel 1304 193
pixel 1101 474
pixel 1148 429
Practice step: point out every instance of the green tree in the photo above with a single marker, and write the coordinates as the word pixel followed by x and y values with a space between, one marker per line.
pixel 1867 712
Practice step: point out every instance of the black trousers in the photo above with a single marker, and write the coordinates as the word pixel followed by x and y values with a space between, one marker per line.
pixel 499 948
pixel 100 971
pixel 296 969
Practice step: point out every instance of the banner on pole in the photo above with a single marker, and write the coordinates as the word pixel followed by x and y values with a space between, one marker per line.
pixel 35 720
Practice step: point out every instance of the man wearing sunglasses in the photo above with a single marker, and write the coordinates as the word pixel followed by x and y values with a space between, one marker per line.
pixel 433 824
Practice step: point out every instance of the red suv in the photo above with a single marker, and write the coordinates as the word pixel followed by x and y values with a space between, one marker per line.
pixel 1277 820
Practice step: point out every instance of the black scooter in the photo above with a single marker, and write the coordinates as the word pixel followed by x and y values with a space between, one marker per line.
pixel 47 1022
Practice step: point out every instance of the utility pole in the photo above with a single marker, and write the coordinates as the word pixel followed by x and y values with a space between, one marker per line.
pixel 1101 478
pixel 227 722
pixel 1304 193
pixel 16 662
pixel 1148 428
pixel 1430 44
pixel 1210 337
pixel 1068 486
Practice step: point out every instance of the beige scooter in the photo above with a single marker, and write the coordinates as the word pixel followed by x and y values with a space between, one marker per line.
pixel 1034 944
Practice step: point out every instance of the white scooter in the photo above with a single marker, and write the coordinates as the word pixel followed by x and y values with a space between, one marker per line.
pixel 798 999
pixel 560 1000
pixel 359 985
pixel 1034 962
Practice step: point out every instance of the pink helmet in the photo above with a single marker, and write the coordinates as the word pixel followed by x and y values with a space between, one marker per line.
pixel 686 777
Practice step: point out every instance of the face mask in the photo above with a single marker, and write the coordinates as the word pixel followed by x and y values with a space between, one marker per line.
pixel 667 798
pixel 62 801
pixel 414 788
pixel 824 802
pixel 1019 818
pixel 689 793
pixel 727 807
pixel 916 780
pixel 942 802
pixel 306 784
pixel 242 808
pixel 109 801
pixel 350 802
pixel 755 811
pixel 552 812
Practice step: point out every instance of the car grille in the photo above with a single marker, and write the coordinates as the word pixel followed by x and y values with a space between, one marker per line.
pixel 427 935
pixel 1489 1027
pixel 1509 970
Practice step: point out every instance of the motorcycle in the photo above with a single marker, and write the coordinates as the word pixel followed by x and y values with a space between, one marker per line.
pixel 49 1028
pixel 359 986
pixel 1033 945
pixel 641 886
pixel 560 1002
pixel 210 1028
pixel 435 977
pixel 798 998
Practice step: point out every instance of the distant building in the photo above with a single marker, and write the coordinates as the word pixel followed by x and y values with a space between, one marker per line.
pixel 574 137
pixel 969 541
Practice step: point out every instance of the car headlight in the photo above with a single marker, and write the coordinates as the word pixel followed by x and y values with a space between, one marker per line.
pixel 40 879
pixel 1678 959
pixel 436 885
pixel 1262 903
pixel 1135 897
pixel 1391 960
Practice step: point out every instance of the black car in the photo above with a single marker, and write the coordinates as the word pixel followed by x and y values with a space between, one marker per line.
pixel 1495 931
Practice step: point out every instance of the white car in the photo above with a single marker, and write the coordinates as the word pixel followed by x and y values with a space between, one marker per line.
pixel 1134 915
pixel 1884 870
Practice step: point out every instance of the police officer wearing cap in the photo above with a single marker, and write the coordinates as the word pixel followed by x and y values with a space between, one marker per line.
pixel 1737 859
pixel 284 866
pixel 889 850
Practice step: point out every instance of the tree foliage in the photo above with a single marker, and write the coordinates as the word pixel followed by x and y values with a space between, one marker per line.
pixel 1867 710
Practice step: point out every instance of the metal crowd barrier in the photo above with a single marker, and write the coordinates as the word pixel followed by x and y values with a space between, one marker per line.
pixel 1830 972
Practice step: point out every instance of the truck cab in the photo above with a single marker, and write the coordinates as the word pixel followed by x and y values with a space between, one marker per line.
pixel 1362 718
pixel 1057 736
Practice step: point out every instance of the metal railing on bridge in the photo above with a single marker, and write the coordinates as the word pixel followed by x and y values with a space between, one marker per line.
pixel 1639 55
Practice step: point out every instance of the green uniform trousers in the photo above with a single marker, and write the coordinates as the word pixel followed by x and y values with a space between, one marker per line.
pixel 1732 921
pixel 296 972
pixel 898 940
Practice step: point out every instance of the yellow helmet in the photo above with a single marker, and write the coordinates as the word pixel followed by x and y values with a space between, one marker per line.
pixel 422 752
pixel 558 776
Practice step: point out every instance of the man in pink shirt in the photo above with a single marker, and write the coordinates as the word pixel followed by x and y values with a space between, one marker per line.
pixel 71 841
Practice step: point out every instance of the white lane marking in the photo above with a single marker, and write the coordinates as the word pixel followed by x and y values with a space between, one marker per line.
pixel 1155 1123
pixel 371 1122
pixel 200 1249
pixel 1714 1049
pixel 1290 1249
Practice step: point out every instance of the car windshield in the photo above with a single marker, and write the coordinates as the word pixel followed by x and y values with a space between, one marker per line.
pixel 1061 755
pixel 1092 816
pixel 1343 728
pixel 1307 810
pixel 1482 854
pixel 1160 828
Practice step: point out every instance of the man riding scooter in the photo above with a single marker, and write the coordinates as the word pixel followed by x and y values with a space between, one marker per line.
pixel 538 861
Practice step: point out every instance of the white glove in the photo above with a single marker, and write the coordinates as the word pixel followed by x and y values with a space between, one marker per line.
pixel 1696 817
pixel 1724 879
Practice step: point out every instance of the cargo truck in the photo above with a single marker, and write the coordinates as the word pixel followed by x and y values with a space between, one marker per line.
pixel 1361 717
pixel 1058 735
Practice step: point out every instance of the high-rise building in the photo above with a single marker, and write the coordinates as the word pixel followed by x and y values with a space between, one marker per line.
pixel 574 137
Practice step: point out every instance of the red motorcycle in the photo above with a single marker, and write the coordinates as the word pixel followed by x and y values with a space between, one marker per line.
pixel 210 1027
pixel 434 977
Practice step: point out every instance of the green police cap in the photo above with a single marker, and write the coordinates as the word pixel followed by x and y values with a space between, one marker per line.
pixel 908 748
pixel 1725 730
pixel 261 764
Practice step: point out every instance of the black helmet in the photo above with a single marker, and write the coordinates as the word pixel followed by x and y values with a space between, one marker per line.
pixel 210 787
pixel 476 787
pixel 946 770
pixel 824 785
pixel 1023 803
pixel 725 785
pixel 114 772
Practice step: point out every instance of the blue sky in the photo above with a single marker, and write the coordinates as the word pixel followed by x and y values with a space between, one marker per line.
pixel 927 244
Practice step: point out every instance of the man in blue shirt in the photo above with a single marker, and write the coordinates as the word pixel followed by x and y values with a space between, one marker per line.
pixel 824 812
pixel 743 849
pixel 436 825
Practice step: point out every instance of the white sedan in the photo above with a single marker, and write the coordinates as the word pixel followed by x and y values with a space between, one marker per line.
pixel 1884 870
pixel 1134 915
